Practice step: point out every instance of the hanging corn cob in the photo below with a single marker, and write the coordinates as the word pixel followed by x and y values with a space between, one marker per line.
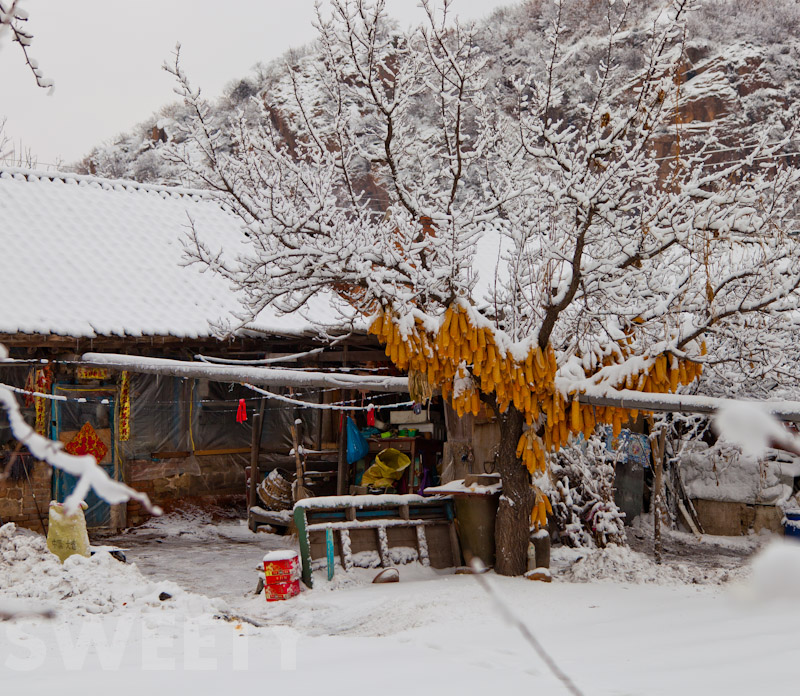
pixel 464 359
pixel 419 388
pixel 541 508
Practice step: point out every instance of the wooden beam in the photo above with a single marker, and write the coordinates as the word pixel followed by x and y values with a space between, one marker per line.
pixel 684 403
pixel 271 376
pixel 254 346
pixel 341 470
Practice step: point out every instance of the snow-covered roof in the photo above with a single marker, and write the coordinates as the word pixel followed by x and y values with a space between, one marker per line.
pixel 84 257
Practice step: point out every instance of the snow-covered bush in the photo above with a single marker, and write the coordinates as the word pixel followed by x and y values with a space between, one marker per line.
pixel 582 496
pixel 770 21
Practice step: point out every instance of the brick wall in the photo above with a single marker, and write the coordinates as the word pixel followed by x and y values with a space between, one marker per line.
pixel 17 502
pixel 168 482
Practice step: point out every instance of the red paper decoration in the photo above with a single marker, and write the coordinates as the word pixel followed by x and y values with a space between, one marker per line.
pixel 241 412
pixel 86 441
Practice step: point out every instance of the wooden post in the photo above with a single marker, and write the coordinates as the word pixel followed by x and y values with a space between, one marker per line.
pixel 255 448
pixel 305 544
pixel 341 472
pixel 341 469
pixel 657 445
pixel 541 546
pixel 329 552
pixel 300 491
pixel 320 417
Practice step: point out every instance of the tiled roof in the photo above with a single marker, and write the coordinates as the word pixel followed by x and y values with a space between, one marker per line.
pixel 82 256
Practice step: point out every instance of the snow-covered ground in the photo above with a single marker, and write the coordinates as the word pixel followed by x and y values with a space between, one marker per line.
pixel 704 623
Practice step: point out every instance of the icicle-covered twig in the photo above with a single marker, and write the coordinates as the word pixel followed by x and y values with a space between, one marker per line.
pixel 12 18
pixel 509 615
pixel 84 468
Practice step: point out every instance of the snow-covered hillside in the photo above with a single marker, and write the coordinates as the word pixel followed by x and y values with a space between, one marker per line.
pixel 741 66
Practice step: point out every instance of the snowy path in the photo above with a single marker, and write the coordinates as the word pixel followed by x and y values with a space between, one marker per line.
pixel 430 633
pixel 220 565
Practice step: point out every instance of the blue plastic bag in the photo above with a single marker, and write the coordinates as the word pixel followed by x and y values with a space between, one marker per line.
pixel 357 446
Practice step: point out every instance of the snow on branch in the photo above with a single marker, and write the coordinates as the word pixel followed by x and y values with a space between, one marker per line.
pixel 563 203
pixel 753 427
pixel 244 373
pixel 12 19
pixel 386 164
pixel 10 610
pixel 503 223
pixel 84 468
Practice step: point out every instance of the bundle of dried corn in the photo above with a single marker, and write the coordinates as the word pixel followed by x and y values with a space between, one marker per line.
pixel 463 357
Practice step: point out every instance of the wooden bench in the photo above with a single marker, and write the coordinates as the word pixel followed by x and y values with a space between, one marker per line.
pixel 347 525
pixel 257 517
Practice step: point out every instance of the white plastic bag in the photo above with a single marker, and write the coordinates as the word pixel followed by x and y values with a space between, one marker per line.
pixel 66 534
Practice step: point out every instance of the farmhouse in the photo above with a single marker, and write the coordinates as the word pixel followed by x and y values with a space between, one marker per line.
pixel 90 265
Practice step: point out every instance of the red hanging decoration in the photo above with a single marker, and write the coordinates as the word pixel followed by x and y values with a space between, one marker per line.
pixel 241 413
pixel 371 415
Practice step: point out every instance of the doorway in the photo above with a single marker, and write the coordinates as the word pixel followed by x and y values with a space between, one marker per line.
pixel 85 424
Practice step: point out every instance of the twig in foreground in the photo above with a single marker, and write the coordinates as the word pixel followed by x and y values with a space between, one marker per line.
pixel 479 569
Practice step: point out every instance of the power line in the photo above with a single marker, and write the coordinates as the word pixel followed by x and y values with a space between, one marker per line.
pixel 326 407
pixel 337 405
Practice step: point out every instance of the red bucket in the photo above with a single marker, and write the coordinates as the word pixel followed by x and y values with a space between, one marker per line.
pixel 281 575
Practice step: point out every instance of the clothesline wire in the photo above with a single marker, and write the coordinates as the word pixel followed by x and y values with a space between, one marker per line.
pixel 340 405
pixel 11 362
pixel 326 407
pixel 272 361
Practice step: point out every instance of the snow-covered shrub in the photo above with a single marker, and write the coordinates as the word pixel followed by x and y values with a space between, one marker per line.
pixel 584 511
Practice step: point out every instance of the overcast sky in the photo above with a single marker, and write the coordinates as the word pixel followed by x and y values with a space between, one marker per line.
pixel 105 57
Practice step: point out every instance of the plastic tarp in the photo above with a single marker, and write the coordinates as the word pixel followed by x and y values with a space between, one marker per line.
pixel 177 415
pixel 171 414
pixel 357 445
pixel 14 376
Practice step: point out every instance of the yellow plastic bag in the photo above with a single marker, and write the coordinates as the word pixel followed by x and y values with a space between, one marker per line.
pixel 66 534
pixel 387 469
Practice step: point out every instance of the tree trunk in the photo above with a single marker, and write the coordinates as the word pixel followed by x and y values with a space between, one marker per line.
pixel 657 447
pixel 516 503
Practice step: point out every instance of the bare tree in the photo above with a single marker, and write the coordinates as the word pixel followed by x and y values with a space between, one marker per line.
pixel 384 162
pixel 13 156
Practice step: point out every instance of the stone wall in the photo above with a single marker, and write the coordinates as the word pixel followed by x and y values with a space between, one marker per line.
pixel 733 519
pixel 171 481
pixel 168 482
pixel 17 502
